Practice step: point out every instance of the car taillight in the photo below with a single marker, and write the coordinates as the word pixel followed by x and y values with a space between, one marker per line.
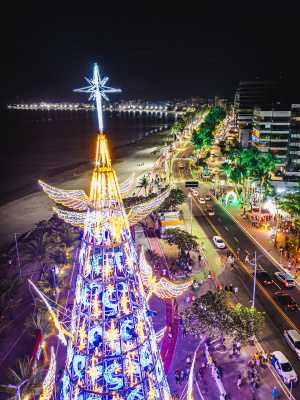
pixel 289 305
pixel 272 281
pixel 286 283
pixel 265 281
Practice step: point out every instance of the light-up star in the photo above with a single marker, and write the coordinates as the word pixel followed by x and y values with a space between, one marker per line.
pixel 97 90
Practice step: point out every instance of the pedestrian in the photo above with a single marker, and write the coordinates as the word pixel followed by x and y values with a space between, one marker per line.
pixel 252 377
pixel 177 378
pixel 236 290
pixel 252 339
pixel 238 347
pixel 233 348
pixel 230 287
pixel 249 364
pixel 257 364
pixel 247 258
pixel 188 361
pixel 183 332
pixel 182 375
pixel 201 282
pixel 274 393
pixel 170 334
pixel 209 276
pixel 226 288
pixel 222 397
pixel 203 366
pixel 199 258
pixel 203 247
pixel 239 381
pixel 200 373
pixel 164 271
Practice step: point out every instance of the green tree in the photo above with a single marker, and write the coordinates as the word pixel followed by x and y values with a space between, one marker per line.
pixel 143 183
pixel 176 197
pixel 213 315
pixel 182 239
pixel 22 376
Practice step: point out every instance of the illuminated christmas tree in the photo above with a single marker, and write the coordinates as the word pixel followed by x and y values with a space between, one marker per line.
pixel 112 350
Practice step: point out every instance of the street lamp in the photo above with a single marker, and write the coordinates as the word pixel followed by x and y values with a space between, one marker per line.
pixel 18 253
pixel 254 262
pixel 18 388
pixel 191 196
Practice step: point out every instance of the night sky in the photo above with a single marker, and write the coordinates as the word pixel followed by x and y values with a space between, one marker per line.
pixel 147 50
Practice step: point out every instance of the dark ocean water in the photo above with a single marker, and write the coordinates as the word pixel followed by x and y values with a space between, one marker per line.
pixel 37 144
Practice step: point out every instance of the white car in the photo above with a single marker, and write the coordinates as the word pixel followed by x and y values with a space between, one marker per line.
pixel 194 192
pixel 286 279
pixel 283 367
pixel 293 340
pixel 201 200
pixel 218 242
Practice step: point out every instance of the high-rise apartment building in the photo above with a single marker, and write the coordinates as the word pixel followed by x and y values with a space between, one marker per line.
pixel 277 128
pixel 257 93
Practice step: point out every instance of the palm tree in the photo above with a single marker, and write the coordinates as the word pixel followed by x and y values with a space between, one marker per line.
pixel 235 178
pixel 37 250
pixel 53 283
pixel 68 238
pixel 9 288
pixel 260 176
pixel 226 168
pixel 39 321
pixel 295 243
pixel 23 380
pixel 144 183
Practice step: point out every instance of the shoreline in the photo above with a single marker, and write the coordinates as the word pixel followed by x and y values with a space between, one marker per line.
pixel 21 212
pixel 59 175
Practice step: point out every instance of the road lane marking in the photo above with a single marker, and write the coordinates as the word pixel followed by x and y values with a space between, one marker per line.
pixel 277 285
pixel 226 227
pixel 247 252
pixel 235 238
pixel 252 277
pixel 219 219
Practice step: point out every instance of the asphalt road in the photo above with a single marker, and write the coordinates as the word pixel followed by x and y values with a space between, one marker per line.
pixel 276 318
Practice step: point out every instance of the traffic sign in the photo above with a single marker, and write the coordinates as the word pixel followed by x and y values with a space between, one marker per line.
pixel 192 184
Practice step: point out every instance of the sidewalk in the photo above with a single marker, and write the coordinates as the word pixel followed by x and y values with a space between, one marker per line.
pixel 262 236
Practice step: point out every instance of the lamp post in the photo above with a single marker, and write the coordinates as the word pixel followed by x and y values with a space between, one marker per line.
pixel 19 274
pixel 191 196
pixel 254 262
pixel 18 388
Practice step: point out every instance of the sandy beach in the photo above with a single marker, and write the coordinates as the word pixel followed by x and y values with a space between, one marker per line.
pixel 20 215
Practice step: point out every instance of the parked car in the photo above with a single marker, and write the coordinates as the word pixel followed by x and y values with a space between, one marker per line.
pixel 286 279
pixel 218 242
pixel 286 300
pixel 201 200
pixel 209 212
pixel 283 367
pixel 293 340
pixel 194 192
pixel 264 277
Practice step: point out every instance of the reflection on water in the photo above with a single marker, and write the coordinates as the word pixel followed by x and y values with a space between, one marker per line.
pixel 35 143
